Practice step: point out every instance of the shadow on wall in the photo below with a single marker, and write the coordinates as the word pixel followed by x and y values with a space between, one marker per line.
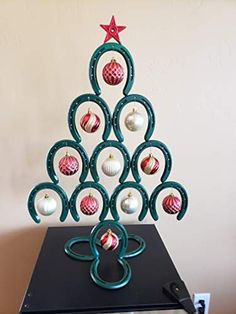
pixel 19 251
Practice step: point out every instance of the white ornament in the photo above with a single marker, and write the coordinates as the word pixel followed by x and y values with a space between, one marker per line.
pixel 46 205
pixel 111 166
pixel 129 204
pixel 134 121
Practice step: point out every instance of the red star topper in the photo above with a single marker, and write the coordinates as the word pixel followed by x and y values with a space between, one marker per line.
pixel 112 30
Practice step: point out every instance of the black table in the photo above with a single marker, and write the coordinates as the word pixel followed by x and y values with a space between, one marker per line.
pixel 60 284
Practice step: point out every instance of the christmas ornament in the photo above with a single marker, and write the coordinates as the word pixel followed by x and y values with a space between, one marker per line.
pixel 171 204
pixel 111 166
pixel 129 204
pixel 113 73
pixel 112 30
pixel 46 205
pixel 109 240
pixel 89 205
pixel 68 165
pixel 150 164
pixel 134 121
pixel 90 122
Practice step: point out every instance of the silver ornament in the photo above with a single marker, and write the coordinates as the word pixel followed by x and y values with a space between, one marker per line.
pixel 46 205
pixel 129 204
pixel 111 166
pixel 134 121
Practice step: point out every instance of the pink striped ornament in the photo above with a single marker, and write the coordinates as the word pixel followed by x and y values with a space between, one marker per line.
pixel 89 205
pixel 109 240
pixel 113 73
pixel 90 122
pixel 68 165
pixel 150 164
pixel 171 204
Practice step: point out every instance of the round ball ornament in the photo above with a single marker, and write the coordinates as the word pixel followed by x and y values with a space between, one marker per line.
pixel 113 73
pixel 68 165
pixel 171 204
pixel 90 122
pixel 109 240
pixel 111 166
pixel 129 204
pixel 150 164
pixel 89 205
pixel 134 121
pixel 46 205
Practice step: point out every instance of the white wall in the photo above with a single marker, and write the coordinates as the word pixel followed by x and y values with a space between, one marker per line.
pixel 184 53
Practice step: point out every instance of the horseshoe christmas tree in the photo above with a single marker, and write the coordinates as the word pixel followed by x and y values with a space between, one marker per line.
pixel 109 234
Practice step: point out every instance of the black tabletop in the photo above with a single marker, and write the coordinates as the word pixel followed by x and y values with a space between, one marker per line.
pixel 60 284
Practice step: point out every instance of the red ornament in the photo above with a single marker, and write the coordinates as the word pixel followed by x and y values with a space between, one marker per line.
pixel 150 164
pixel 68 165
pixel 90 122
pixel 171 204
pixel 89 205
pixel 109 241
pixel 113 73
pixel 112 30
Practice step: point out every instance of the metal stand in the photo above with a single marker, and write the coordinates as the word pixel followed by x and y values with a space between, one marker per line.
pixel 123 254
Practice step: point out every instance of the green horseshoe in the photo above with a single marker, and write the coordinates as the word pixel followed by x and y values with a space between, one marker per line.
pixel 162 186
pixel 51 186
pixel 111 285
pixel 139 249
pixel 81 257
pixel 85 185
pixel 138 151
pixel 83 239
pixel 96 57
pixel 72 115
pixel 99 148
pixel 121 187
pixel 119 107
pixel 67 143
pixel 121 254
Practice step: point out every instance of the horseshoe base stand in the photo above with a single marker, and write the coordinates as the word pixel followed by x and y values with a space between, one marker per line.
pixel 122 256
pixel 61 284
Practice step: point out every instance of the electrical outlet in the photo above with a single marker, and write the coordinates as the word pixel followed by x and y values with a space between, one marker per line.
pixel 201 296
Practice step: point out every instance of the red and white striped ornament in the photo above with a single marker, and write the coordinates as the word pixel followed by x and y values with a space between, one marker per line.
pixel 150 164
pixel 113 73
pixel 90 122
pixel 68 165
pixel 171 204
pixel 89 205
pixel 109 240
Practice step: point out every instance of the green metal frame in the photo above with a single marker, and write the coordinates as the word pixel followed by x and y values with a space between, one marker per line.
pixel 91 164
pixel 93 241
pixel 96 57
pixel 97 151
pixel 141 148
pixel 72 115
pixel 127 185
pixel 86 239
pixel 88 185
pixel 125 101
pixel 50 186
pixel 67 143
pixel 165 185
pixel 75 255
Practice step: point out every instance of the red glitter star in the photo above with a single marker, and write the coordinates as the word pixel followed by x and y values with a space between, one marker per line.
pixel 112 30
